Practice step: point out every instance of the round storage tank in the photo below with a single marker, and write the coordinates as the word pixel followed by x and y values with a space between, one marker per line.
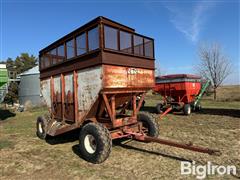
pixel 29 88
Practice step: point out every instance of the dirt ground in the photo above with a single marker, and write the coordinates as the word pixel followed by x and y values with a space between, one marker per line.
pixel 24 156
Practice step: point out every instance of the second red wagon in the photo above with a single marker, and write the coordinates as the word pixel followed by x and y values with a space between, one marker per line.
pixel 178 90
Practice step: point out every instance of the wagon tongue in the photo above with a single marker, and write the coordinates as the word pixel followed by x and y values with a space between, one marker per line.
pixel 189 146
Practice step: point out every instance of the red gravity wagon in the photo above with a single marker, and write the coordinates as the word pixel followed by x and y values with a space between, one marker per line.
pixel 179 92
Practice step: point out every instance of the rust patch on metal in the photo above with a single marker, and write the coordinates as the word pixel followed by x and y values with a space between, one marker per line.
pixel 122 77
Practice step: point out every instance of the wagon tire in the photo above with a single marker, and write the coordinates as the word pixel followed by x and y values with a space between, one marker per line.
pixel 41 126
pixel 143 104
pixel 187 109
pixel 198 107
pixel 95 143
pixel 149 123
pixel 159 108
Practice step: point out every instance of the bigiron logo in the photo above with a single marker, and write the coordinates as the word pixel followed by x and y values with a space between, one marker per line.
pixel 202 171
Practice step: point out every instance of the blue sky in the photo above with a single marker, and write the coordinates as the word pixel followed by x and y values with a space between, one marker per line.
pixel 178 28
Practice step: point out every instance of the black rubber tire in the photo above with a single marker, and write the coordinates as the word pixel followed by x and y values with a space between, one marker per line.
pixel 187 109
pixel 102 139
pixel 41 126
pixel 198 107
pixel 149 123
pixel 159 108
pixel 143 104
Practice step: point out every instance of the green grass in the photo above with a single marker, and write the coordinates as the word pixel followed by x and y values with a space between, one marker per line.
pixel 23 123
pixel 6 144
pixel 206 103
pixel 24 156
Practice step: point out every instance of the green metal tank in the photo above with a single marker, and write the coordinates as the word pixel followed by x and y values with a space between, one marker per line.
pixel 3 75
pixel 3 81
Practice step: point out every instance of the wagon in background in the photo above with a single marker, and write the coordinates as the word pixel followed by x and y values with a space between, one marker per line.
pixel 179 92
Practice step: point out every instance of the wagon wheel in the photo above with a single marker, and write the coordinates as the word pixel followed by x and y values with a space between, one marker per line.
pixel 198 107
pixel 187 109
pixel 159 108
pixel 150 126
pixel 95 143
pixel 144 130
pixel 41 126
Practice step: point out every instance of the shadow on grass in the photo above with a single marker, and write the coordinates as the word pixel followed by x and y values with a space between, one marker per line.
pixel 67 137
pixel 149 109
pixel 221 112
pixel 153 110
pixel 155 153
pixel 210 111
pixel 6 144
pixel 76 151
pixel 4 114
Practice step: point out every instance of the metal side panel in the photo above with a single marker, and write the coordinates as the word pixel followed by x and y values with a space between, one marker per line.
pixel 176 80
pixel 89 86
pixel 46 92
pixel 69 97
pixel 57 99
pixel 127 77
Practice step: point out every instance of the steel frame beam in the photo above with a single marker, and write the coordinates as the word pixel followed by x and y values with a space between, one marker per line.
pixel 189 146
pixel 75 91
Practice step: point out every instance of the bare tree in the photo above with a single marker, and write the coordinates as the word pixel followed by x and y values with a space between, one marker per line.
pixel 214 65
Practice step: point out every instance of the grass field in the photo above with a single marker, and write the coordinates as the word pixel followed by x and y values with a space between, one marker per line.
pixel 24 156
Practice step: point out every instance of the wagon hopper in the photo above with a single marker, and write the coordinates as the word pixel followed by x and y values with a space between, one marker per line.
pixel 179 92
pixel 89 77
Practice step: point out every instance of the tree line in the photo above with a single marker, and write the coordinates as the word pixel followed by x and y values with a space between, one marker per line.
pixel 20 64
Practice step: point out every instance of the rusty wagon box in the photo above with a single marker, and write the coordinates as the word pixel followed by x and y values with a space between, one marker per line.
pixel 88 80
pixel 178 90
pixel 89 76
pixel 181 87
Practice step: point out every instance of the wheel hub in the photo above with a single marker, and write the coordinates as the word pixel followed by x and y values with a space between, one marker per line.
pixel 40 128
pixel 90 144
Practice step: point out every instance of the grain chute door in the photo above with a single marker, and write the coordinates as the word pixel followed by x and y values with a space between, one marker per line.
pixel 69 98
pixel 57 98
